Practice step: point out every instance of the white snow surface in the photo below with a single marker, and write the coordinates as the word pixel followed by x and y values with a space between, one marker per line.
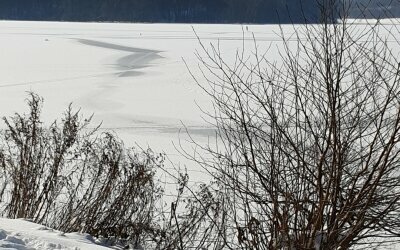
pixel 24 235
pixel 132 77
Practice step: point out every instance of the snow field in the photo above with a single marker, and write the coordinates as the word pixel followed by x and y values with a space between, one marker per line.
pixel 25 235
pixel 132 77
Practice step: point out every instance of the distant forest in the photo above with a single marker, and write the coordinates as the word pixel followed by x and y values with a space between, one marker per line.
pixel 187 11
pixel 374 8
pixel 165 11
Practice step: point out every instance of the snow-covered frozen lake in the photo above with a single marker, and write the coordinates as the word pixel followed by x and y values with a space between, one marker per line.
pixel 132 77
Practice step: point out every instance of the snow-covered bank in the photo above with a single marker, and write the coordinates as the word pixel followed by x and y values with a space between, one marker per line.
pixel 24 235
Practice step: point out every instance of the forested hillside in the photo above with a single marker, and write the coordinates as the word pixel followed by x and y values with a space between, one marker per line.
pixel 374 8
pixel 187 11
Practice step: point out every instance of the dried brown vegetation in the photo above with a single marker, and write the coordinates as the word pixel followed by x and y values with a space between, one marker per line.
pixel 76 179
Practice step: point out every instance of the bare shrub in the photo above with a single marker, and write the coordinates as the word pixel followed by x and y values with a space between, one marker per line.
pixel 73 178
pixel 308 150
pixel 194 219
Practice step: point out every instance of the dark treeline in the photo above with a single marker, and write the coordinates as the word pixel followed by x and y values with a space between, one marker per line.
pixel 374 8
pixel 179 11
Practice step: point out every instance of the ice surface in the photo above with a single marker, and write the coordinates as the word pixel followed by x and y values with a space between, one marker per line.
pixel 132 77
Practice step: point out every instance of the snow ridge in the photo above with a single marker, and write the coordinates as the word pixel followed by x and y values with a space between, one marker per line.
pixel 22 234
